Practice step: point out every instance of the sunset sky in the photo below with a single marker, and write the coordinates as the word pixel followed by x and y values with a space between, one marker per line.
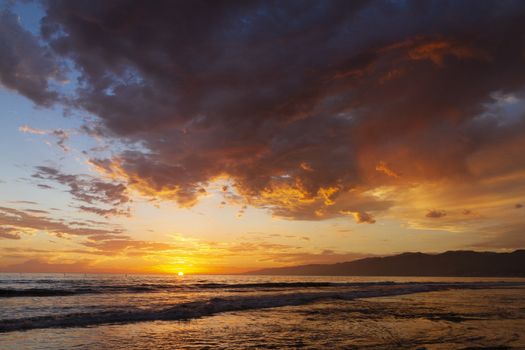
pixel 226 136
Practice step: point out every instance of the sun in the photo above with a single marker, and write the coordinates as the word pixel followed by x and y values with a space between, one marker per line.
pixel 180 273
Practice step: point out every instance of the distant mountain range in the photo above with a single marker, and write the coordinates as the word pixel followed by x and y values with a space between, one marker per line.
pixel 450 264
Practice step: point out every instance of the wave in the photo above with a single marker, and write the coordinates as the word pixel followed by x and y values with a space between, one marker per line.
pixel 201 308
pixel 151 287
pixel 148 287
pixel 34 292
pixel 56 292
pixel 271 285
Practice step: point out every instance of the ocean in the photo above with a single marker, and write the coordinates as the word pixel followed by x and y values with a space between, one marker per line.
pixel 77 311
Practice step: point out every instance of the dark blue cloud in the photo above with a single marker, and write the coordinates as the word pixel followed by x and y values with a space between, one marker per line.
pixel 306 96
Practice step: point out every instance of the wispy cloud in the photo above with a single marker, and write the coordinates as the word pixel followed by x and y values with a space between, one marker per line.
pixel 9 232
pixel 60 135
pixel 89 190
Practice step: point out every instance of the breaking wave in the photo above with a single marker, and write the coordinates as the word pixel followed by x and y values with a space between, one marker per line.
pixel 207 307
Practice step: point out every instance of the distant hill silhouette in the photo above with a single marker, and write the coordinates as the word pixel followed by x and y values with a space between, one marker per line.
pixel 450 264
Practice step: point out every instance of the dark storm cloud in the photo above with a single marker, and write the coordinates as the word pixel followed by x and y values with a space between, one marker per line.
pixel 89 190
pixel 25 65
pixel 303 105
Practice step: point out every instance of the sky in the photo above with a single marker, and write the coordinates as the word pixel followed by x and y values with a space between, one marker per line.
pixel 227 136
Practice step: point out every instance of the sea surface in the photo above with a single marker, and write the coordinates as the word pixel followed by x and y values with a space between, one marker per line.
pixel 77 311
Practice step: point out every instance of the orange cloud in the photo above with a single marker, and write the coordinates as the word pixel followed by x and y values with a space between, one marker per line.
pixel 384 168
pixel 306 166
pixel 437 50
pixel 360 217
pixel 185 196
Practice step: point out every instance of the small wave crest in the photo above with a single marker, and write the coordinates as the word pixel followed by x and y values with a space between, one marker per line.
pixel 201 308
pixel 268 285
pixel 75 289
pixel 68 290
pixel 58 292
pixel 34 292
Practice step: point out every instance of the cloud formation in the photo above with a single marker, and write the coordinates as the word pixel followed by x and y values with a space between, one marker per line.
pixel 60 135
pixel 100 245
pixel 15 220
pixel 89 190
pixel 100 238
pixel 9 233
pixel 42 266
pixel 384 168
pixel 26 66
pixel 360 217
pixel 302 107
pixel 436 214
